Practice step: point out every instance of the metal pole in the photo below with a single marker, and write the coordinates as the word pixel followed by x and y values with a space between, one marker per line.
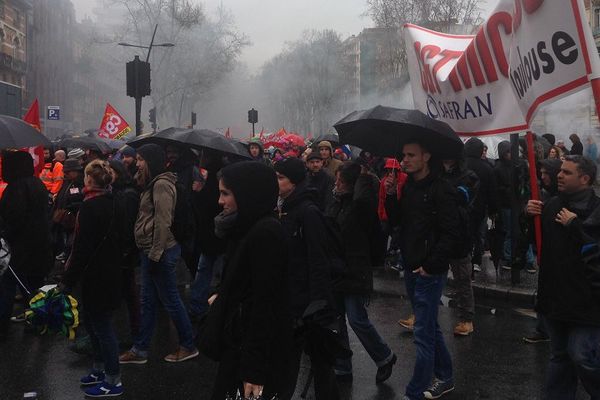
pixel 515 262
pixel 253 132
pixel 151 43
pixel 138 99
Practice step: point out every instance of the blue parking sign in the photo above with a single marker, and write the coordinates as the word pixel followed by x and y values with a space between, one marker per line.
pixel 53 113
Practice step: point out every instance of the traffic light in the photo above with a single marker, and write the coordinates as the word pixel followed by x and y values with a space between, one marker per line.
pixel 252 116
pixel 138 78
pixel 152 117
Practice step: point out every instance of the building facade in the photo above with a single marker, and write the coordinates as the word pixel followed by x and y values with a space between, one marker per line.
pixel 14 17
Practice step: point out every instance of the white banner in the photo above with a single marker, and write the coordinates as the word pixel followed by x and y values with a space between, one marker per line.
pixel 528 52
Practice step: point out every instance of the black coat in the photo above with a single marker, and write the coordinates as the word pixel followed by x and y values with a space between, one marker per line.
pixel 127 199
pixel 24 212
pixel 323 183
pixel 95 259
pixel 309 267
pixel 356 216
pixel 577 149
pixel 429 224
pixel 486 201
pixel 569 279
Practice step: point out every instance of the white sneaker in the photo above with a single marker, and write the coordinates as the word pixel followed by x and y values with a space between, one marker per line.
pixel 476 268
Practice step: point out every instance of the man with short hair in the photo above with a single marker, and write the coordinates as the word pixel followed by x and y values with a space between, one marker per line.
pixel 330 164
pixel 320 180
pixel 429 230
pixel 52 174
pixel 568 297
pixel 128 158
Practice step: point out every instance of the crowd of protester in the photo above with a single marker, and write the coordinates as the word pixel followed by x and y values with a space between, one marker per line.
pixel 114 230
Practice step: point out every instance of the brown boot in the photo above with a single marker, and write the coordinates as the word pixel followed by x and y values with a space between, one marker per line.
pixel 182 354
pixel 408 323
pixel 464 328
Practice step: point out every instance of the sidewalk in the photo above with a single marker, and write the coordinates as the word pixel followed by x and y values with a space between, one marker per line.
pixel 486 286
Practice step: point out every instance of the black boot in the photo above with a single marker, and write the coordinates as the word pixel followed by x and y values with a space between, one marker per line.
pixel 385 371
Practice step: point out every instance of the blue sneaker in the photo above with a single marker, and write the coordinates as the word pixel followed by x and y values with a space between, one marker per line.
pixel 105 389
pixel 93 378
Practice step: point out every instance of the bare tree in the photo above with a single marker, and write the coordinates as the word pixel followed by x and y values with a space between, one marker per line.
pixel 302 85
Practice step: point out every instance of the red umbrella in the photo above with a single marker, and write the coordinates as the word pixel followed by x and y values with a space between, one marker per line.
pixel 295 139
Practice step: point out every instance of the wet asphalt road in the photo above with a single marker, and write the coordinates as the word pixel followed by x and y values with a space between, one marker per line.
pixel 493 363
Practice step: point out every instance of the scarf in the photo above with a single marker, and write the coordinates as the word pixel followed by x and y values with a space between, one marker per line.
pixel 224 224
pixel 89 194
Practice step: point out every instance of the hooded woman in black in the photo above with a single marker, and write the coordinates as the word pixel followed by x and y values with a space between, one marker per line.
pixel 24 212
pixel 249 326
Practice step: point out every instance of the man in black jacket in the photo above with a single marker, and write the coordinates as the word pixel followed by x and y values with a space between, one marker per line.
pixel 569 280
pixel 320 180
pixel 309 270
pixel 429 229
pixel 485 202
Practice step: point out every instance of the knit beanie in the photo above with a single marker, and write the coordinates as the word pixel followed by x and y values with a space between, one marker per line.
pixel 127 151
pixel 292 168
pixel 155 158
pixel 327 144
pixel 314 155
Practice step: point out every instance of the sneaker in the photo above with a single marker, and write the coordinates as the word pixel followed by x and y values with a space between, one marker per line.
pixel 61 257
pixel 530 268
pixel 93 378
pixel 385 371
pixel 19 318
pixel 408 323
pixel 182 354
pixel 536 337
pixel 104 389
pixel 131 357
pixel 438 389
pixel 476 268
pixel 463 328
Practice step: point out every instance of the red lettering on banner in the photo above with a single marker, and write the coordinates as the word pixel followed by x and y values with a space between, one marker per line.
pixel 531 6
pixel 474 65
pixel 493 29
pixel 486 56
pixel 447 55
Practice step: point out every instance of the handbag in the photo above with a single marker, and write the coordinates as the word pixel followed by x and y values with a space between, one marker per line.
pixel 65 218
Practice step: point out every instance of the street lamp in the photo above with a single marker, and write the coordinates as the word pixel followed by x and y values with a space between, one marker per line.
pixel 136 68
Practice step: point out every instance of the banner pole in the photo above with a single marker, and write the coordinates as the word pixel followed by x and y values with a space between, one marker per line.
pixel 535 193
pixel 596 91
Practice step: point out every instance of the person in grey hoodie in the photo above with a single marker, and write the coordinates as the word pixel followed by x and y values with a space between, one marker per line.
pixel 160 254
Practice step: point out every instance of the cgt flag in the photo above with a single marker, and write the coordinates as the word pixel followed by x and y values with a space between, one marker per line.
pixel 527 53
pixel 113 126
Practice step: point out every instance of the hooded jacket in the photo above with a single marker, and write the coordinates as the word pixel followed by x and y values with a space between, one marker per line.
pixel 486 201
pixel 206 207
pixel 323 183
pixel 250 317
pixel 309 268
pixel 24 212
pixel 157 206
pixel 502 171
pixel 429 225
pixel 552 166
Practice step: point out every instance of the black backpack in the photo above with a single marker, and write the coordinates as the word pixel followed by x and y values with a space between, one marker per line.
pixel 183 226
pixel 466 188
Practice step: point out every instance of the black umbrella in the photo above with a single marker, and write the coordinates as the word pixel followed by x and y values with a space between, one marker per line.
pixel 16 134
pixel 85 142
pixel 332 138
pixel 196 138
pixel 384 130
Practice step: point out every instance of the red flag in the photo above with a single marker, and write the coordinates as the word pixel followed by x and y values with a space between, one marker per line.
pixel 227 133
pixel 261 135
pixel 32 117
pixel 113 125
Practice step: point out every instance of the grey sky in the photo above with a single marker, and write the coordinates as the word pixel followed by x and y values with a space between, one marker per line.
pixel 271 23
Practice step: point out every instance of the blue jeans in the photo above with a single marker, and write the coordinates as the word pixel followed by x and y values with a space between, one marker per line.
pixel 507 251
pixel 160 283
pixel 575 354
pixel 104 343
pixel 354 307
pixel 201 284
pixel 432 358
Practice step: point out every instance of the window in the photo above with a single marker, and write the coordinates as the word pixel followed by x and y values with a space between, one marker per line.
pixel 596 18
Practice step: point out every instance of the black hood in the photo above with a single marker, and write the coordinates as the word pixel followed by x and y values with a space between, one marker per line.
pixel 552 166
pixel 16 165
pixel 301 193
pixel 155 158
pixel 255 188
pixel 473 148
pixel 123 176
pixel 503 149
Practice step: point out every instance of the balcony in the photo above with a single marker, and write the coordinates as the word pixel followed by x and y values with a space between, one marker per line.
pixel 8 61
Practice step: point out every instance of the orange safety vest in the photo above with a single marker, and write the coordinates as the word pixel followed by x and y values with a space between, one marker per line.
pixel 47 177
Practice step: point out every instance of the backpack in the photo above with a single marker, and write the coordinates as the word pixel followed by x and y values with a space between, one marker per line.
pixel 465 189
pixel 183 226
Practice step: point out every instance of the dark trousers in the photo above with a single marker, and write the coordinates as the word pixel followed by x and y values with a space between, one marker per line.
pixel 104 343
pixel 326 387
pixel 131 295
pixel 8 290
pixel 575 356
